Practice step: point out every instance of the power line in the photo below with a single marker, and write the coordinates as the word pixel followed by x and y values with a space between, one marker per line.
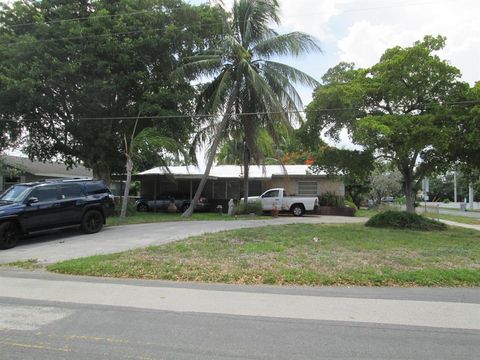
pixel 203 116
pixel 82 37
pixel 155 29
pixel 134 13
pixel 94 17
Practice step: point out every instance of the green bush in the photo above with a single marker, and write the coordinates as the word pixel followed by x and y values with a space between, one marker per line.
pixel 331 199
pixel 350 204
pixel 404 220
pixel 446 201
pixel 255 208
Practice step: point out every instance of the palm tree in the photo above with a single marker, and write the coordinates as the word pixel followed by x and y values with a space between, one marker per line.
pixel 253 91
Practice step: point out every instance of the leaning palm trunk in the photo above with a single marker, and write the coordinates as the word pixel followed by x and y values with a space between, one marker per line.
pixel 126 192
pixel 213 151
pixel 129 149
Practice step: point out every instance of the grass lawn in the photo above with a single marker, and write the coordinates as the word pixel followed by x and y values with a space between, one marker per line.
pixel 144 218
pixel 302 255
pixel 366 213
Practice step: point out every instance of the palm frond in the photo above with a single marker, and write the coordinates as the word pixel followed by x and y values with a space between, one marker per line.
pixel 291 44
pixel 292 74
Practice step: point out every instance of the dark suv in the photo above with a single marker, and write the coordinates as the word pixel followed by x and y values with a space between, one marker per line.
pixel 34 207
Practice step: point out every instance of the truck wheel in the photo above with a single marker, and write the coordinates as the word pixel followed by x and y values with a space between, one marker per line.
pixel 142 207
pixel 297 210
pixel 92 222
pixel 9 235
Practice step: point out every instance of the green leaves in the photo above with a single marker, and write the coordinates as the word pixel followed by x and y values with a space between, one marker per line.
pixel 396 109
pixel 98 59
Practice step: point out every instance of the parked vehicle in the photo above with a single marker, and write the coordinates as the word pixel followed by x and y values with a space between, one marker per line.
pixel 34 207
pixel 277 199
pixel 161 203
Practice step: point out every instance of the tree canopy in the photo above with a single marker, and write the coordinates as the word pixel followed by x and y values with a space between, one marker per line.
pixel 395 109
pixel 70 71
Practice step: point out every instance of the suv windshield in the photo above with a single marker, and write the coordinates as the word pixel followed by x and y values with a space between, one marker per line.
pixel 16 193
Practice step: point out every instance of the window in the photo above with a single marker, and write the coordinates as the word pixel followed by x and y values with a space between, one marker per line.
pixel 307 188
pixel 272 194
pixel 96 187
pixel 10 181
pixel 71 191
pixel 45 193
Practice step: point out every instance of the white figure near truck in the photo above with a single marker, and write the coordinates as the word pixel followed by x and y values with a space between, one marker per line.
pixel 277 199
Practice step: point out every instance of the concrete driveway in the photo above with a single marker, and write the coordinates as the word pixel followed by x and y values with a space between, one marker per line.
pixel 72 244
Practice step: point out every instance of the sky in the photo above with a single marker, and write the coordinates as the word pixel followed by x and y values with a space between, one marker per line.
pixel 359 31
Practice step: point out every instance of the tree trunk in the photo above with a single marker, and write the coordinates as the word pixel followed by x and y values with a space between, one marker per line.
pixel 246 171
pixel 201 186
pixel 101 172
pixel 410 197
pixel 211 158
pixel 129 167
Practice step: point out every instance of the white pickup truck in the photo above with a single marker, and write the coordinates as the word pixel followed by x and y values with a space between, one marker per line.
pixel 278 199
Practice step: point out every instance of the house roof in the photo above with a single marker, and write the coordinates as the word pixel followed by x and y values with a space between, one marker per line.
pixel 233 171
pixel 47 169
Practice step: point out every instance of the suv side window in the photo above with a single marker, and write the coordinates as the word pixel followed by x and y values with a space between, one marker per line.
pixel 96 187
pixel 71 191
pixel 45 193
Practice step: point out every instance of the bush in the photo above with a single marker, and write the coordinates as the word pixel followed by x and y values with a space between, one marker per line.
pixel 255 208
pixel 350 205
pixel 446 201
pixel 404 220
pixel 331 199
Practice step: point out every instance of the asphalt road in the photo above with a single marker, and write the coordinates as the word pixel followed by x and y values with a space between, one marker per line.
pixel 172 321
pixel 69 244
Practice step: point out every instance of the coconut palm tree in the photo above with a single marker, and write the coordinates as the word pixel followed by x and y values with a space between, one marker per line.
pixel 252 90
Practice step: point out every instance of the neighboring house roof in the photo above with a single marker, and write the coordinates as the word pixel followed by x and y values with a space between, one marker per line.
pixel 234 171
pixel 48 169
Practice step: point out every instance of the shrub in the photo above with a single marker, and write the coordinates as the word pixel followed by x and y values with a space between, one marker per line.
pixel 446 201
pixel 331 199
pixel 255 208
pixel 404 220
pixel 350 205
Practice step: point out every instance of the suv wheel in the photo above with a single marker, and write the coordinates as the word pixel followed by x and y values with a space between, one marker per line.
pixel 9 235
pixel 92 222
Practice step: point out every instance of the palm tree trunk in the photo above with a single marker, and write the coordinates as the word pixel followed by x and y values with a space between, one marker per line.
pixel 123 212
pixel 213 151
pixel 246 171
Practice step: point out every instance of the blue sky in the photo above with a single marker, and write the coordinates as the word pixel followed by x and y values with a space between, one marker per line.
pixel 360 31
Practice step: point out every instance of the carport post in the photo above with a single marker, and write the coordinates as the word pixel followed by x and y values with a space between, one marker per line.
pixel 155 194
pixel 191 189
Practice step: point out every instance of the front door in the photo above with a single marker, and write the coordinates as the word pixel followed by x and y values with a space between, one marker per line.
pixel 46 212
pixel 271 200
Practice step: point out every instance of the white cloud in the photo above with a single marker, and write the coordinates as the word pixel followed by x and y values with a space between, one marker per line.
pixel 368 38
pixel 311 16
